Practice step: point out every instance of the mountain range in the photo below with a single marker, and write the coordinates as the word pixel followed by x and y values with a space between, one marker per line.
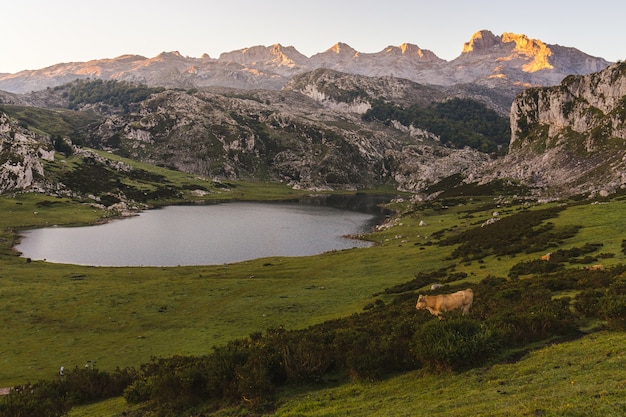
pixel 338 120
pixel 509 62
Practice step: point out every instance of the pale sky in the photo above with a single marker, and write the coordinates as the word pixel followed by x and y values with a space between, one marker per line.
pixel 38 33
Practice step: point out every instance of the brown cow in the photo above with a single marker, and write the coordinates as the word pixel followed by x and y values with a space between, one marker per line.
pixel 437 304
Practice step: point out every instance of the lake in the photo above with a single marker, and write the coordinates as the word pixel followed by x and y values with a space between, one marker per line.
pixel 203 235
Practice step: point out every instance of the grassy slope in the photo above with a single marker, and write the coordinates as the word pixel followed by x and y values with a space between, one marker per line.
pixel 581 378
pixel 57 315
pixel 585 377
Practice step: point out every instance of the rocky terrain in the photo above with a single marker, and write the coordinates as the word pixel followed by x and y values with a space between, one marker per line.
pixel 22 154
pixel 303 120
pixel 571 138
pixel 310 140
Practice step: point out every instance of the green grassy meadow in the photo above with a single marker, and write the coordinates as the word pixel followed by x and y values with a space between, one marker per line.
pixel 580 378
pixel 66 315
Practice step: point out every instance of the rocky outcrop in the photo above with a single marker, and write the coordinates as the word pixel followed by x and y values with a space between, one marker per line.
pixel 21 157
pixel 515 59
pixel 296 136
pixel 571 138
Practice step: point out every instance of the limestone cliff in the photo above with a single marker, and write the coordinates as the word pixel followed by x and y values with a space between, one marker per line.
pixel 21 157
pixel 570 138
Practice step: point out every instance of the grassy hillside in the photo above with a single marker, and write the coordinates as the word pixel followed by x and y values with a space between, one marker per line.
pixel 580 378
pixel 66 315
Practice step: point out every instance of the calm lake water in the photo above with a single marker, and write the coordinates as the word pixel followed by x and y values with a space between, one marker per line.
pixel 202 235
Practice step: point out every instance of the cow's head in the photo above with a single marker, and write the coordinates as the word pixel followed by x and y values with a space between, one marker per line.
pixel 421 303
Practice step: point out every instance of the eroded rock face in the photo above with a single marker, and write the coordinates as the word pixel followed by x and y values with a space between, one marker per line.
pixel 580 104
pixel 570 138
pixel 21 157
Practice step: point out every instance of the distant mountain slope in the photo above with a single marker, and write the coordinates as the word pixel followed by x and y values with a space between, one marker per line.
pixel 315 133
pixel 505 62
pixel 310 135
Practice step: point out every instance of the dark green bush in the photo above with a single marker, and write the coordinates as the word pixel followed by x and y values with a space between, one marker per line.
pixel 536 266
pixel 89 384
pixel 43 399
pixel 603 295
pixel 176 382
pixel 371 354
pixel 306 356
pixel 455 344
pixel 56 398
pixel 614 309
pixel 589 302
pixel 614 305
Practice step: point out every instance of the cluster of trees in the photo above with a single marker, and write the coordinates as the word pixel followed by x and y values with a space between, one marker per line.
pixel 119 94
pixel 458 122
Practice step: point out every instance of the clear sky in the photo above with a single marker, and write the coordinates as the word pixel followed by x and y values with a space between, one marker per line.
pixel 39 33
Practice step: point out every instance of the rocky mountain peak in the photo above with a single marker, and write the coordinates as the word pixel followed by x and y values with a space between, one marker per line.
pixel 481 41
pixel 171 54
pixel 276 54
pixel 343 49
pixel 410 50
pixel 511 46
pixel 538 51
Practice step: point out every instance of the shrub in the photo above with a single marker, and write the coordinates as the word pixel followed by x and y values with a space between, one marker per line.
pixel 175 382
pixel 306 355
pixel 43 399
pixel 614 305
pixel 372 353
pixel 56 398
pixel 535 266
pixel 455 344
pixel 539 322
pixel 614 309
pixel 588 302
